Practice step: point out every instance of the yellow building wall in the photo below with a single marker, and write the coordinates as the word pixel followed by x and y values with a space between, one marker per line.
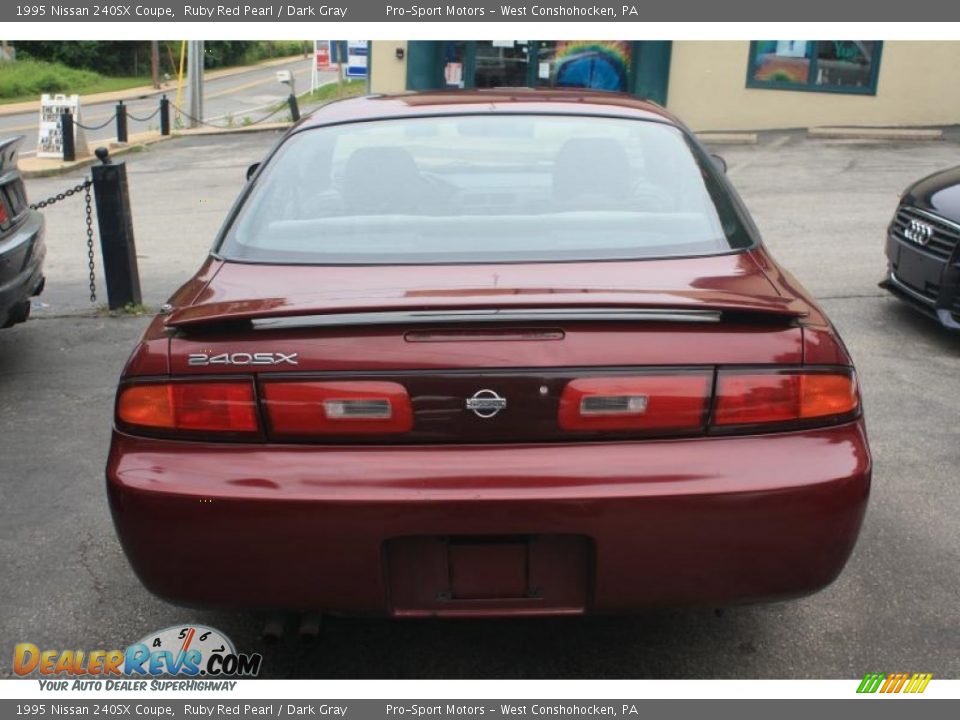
pixel 388 74
pixel 917 85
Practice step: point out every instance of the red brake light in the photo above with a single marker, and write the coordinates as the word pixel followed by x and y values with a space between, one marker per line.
pixel 211 406
pixel 750 397
pixel 4 217
pixel 642 402
pixel 305 408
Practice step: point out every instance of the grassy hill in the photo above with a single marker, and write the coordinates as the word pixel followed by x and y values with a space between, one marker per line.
pixel 28 79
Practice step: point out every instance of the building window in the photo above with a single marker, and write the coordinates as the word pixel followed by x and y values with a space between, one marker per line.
pixel 501 63
pixel 844 66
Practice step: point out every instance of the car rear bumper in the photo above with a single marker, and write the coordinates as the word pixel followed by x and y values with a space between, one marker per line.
pixel 584 528
pixel 928 283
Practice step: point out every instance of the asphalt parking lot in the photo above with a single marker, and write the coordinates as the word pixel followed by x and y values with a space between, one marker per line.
pixel 822 207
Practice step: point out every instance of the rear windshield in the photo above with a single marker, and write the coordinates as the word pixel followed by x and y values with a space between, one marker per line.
pixel 484 188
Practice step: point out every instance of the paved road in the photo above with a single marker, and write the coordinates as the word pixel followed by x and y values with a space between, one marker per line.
pixel 822 208
pixel 233 98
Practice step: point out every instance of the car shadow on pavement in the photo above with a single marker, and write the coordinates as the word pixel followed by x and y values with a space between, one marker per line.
pixel 656 644
pixel 915 325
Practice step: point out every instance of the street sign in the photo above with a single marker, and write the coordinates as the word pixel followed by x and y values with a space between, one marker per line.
pixel 50 136
pixel 338 51
pixel 321 51
pixel 357 52
pixel 348 56
pixel 321 62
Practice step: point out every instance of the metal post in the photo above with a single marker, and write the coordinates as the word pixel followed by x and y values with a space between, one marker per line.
pixel 294 108
pixel 121 113
pixel 116 232
pixel 66 134
pixel 164 116
pixel 195 81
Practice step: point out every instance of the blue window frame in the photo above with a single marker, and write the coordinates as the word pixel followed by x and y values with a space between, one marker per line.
pixel 839 66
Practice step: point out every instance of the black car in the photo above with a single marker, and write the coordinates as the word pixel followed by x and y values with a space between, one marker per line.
pixel 923 248
pixel 21 241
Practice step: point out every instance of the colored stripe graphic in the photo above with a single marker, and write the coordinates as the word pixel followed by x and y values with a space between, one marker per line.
pixel 871 682
pixel 894 683
pixel 918 683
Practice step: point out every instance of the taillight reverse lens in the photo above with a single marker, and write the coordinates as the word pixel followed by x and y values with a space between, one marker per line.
pixel 642 402
pixel 309 408
pixel 226 406
pixel 752 398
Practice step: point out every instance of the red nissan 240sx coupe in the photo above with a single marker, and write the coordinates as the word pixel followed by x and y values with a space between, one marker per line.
pixel 509 352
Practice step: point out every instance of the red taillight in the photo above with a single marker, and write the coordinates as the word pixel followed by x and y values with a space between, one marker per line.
pixel 752 398
pixel 306 408
pixel 227 406
pixel 642 402
pixel 4 217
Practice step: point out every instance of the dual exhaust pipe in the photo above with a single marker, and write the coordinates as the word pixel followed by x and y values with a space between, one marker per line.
pixel 275 626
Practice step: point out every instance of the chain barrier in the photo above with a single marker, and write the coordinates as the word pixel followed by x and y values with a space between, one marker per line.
pixel 88 221
pixel 113 117
pixel 96 127
pixel 85 185
pixel 188 116
pixel 179 111
pixel 149 117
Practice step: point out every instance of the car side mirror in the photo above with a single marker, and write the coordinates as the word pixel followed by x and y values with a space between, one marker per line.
pixel 252 170
pixel 720 163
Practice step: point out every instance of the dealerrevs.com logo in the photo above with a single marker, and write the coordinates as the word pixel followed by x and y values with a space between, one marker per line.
pixel 183 651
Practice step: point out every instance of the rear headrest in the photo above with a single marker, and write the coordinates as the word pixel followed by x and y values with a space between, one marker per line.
pixel 382 180
pixel 591 167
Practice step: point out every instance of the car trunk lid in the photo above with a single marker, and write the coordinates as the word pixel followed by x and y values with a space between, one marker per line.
pixel 459 338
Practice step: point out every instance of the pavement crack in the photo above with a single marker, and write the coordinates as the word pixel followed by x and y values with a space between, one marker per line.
pixel 84 545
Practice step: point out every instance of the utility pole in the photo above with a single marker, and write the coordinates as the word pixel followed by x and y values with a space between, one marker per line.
pixel 195 81
pixel 155 62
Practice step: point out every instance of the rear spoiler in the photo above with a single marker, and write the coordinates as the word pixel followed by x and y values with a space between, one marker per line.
pixel 266 314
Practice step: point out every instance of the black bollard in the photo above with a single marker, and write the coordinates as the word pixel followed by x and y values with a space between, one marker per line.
pixel 66 136
pixel 294 108
pixel 164 116
pixel 121 113
pixel 116 232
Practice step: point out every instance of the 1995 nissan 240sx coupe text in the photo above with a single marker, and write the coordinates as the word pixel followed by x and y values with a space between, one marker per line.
pixel 488 353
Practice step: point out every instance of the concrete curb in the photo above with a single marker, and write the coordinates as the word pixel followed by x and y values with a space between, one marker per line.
pixel 263 127
pixel 854 133
pixel 727 138
pixel 145 91
pixel 62 168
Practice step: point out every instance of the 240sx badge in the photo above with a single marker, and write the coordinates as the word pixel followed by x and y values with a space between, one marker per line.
pixel 242 358
pixel 190 651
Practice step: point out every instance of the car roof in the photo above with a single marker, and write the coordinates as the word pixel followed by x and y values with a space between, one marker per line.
pixel 572 101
